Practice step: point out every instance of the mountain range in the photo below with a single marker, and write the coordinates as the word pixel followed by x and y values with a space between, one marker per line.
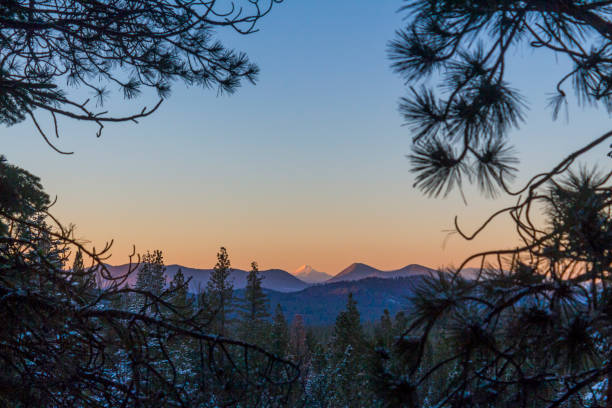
pixel 282 281
pixel 275 279
pixel 315 295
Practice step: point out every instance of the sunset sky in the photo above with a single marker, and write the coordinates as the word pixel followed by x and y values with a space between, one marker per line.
pixel 306 167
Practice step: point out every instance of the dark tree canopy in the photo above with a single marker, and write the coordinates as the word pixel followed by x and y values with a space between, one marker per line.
pixel 461 121
pixel 531 325
pixel 21 194
pixel 81 337
pixel 47 47
pixel 532 330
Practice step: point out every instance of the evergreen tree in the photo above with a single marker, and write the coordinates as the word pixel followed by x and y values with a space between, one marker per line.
pixel 179 293
pixel 338 384
pixel 84 278
pixel 297 339
pixel 22 194
pixel 255 305
pixel 532 327
pixel 279 337
pixel 385 332
pixel 254 308
pixel 77 265
pixel 220 293
pixel 349 354
pixel 135 45
pixel 181 350
pixel 150 275
pixel 150 278
pixel 348 330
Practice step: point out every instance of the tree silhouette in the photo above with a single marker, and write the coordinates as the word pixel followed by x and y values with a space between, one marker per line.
pixel 64 343
pixel 460 122
pixel 532 328
pixel 253 309
pixel 220 293
pixel 129 46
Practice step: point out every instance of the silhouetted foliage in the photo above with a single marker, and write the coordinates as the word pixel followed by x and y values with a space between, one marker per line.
pixel 129 46
pixel 253 309
pixel 66 343
pixel 220 293
pixel 530 327
pixel 461 121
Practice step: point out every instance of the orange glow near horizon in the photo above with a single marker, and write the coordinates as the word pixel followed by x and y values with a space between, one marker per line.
pixel 329 241
pixel 307 167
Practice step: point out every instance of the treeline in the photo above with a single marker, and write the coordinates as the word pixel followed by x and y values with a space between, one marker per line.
pixel 337 364
pixel 73 335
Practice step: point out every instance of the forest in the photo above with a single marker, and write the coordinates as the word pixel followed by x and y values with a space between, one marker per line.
pixel 530 326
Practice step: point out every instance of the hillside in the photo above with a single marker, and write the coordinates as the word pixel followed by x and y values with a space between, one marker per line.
pixel 320 304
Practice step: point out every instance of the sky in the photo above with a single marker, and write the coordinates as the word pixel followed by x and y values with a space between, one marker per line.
pixel 306 167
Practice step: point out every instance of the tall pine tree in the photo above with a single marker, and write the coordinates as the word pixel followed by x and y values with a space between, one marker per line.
pixel 348 330
pixel 254 307
pixel 384 333
pixel 339 377
pixel 179 293
pixel 150 278
pixel 280 333
pixel 220 293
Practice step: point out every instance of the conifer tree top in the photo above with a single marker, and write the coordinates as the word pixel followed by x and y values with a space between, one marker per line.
pixel 460 122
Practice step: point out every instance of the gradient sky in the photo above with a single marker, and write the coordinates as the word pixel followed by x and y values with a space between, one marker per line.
pixel 308 166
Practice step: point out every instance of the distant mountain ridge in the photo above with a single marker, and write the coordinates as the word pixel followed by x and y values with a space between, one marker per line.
pixel 274 279
pixel 280 280
pixel 358 271
pixel 308 274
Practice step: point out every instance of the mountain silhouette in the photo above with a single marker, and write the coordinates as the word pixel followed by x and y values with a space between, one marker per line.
pixel 359 271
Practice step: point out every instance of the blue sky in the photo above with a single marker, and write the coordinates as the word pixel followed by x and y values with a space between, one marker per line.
pixel 308 166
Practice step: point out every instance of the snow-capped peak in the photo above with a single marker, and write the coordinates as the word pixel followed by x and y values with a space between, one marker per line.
pixel 310 275
pixel 304 269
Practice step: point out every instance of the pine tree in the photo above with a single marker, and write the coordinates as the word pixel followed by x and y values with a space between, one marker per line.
pixel 220 293
pixel 254 308
pixel 85 279
pixel 280 333
pixel 348 330
pixel 532 326
pixel 150 278
pixel 180 295
pixel 349 356
pixel 384 332
pixel 156 42
pixel 256 301
pixel 297 338
pixel 181 350
pixel 77 265
pixel 338 384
